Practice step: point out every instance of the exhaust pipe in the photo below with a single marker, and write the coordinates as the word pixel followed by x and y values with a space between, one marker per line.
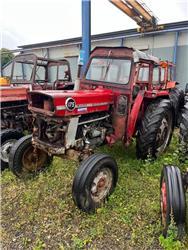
pixel 77 81
pixel 80 64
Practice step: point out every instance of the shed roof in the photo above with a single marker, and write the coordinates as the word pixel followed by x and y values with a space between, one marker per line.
pixel 183 25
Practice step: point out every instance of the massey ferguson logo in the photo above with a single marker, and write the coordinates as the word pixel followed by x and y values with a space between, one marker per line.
pixel 70 104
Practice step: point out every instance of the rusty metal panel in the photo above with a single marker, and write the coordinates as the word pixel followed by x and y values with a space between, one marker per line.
pixel 13 93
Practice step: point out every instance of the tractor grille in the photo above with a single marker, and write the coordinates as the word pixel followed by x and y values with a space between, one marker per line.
pixel 41 101
pixel 49 131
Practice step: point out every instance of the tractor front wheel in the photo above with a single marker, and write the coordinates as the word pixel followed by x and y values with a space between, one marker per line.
pixel 155 130
pixel 94 181
pixel 26 160
pixel 8 138
pixel 173 206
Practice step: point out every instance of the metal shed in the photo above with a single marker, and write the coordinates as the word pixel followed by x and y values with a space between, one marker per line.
pixel 171 44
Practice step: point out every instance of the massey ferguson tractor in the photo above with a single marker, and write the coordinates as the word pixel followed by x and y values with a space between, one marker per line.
pixel 124 93
pixel 174 184
pixel 29 72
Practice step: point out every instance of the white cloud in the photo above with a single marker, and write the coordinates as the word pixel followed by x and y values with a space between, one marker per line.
pixel 33 21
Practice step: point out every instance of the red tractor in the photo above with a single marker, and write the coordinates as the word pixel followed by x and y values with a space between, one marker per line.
pixel 29 72
pixel 124 93
pixel 173 184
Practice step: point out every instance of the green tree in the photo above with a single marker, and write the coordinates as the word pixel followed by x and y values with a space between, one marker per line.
pixel 6 56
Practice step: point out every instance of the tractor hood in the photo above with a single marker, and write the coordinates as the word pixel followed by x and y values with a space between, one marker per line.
pixel 70 102
pixel 13 93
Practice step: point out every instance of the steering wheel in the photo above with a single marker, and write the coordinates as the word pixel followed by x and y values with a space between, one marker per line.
pixel 55 83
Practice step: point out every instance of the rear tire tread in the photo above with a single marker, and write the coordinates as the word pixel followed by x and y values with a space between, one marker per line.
pixel 176 205
pixel 147 132
pixel 16 154
pixel 184 134
pixel 6 135
pixel 83 176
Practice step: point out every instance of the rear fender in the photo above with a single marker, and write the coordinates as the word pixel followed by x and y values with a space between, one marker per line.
pixel 170 85
pixel 134 113
pixel 133 117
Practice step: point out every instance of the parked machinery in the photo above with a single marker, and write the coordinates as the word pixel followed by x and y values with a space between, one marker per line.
pixel 174 184
pixel 29 72
pixel 124 93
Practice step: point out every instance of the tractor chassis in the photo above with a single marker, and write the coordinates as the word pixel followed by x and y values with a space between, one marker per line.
pixel 62 151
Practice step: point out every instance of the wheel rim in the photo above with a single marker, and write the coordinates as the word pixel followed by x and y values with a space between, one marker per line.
pixel 163 202
pixel 101 185
pixel 5 149
pixel 163 135
pixel 33 159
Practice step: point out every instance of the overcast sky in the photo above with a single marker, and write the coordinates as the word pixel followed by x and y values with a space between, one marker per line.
pixel 33 21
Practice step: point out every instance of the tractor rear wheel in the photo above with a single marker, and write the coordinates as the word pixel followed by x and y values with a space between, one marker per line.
pixel 94 181
pixel 177 101
pixel 8 138
pixel 155 131
pixel 173 205
pixel 25 160
pixel 184 133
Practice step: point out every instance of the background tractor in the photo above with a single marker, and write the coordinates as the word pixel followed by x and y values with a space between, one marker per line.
pixel 174 184
pixel 124 93
pixel 29 72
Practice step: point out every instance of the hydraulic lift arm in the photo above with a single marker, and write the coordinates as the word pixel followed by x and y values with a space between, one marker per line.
pixel 139 12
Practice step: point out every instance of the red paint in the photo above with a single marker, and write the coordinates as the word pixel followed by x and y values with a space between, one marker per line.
pixel 119 123
pixel 170 84
pixel 10 94
pixel 164 200
pixel 111 139
pixel 133 117
pixel 102 98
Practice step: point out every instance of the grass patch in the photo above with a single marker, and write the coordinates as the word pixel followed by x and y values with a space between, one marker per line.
pixel 39 213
